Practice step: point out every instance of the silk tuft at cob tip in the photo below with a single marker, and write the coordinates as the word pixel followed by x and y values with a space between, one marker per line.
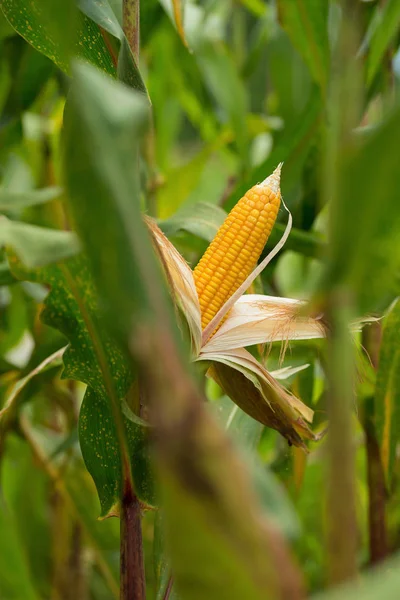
pixel 273 181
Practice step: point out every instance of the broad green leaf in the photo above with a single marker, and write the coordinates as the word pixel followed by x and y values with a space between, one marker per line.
pixel 108 15
pixel 366 258
pixel 306 22
pixel 387 391
pixel 201 219
pixel 37 246
pixel 46 28
pixel 95 359
pixel 13 201
pixel 385 27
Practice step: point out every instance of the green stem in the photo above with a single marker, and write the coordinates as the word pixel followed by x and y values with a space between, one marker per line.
pixel 132 574
pixel 342 532
pixel 131 25
pixel 344 102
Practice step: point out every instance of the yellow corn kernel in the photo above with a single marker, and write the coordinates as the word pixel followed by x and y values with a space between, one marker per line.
pixel 235 250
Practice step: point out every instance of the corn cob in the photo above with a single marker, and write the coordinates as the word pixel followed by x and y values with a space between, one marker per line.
pixel 237 246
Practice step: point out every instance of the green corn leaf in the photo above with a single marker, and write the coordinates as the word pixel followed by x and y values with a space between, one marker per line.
pixel 59 31
pixel 290 148
pixel 108 15
pixel 95 359
pixel 201 219
pixel 306 22
pixel 13 201
pixel 366 258
pixel 212 554
pixel 385 26
pixel 37 246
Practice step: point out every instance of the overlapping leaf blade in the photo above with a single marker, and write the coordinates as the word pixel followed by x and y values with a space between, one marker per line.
pixel 95 359
pixel 199 471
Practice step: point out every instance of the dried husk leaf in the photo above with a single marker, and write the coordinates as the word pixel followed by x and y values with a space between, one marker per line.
pixel 181 282
pixel 258 319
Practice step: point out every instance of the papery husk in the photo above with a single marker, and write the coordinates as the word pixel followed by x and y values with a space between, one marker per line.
pixel 181 282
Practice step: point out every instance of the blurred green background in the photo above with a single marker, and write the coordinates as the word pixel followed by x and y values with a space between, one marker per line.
pixel 258 83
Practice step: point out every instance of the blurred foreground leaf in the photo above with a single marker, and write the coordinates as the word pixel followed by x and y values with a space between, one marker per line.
pixel 12 201
pixel 382 582
pixel 204 487
pixel 367 257
pixel 93 358
pixel 246 432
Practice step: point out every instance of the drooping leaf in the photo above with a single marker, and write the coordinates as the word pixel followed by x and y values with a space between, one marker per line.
pixel 37 246
pixel 306 22
pixel 50 361
pixel 201 219
pixel 13 201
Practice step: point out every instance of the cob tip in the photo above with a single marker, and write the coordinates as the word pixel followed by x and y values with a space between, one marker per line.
pixel 274 180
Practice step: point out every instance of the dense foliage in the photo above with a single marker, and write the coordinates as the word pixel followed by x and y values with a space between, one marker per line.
pixel 92 134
